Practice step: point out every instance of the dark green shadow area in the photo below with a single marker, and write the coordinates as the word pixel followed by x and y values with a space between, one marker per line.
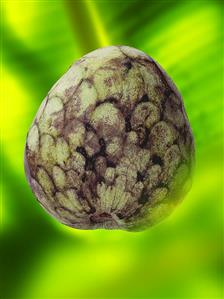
pixel 143 13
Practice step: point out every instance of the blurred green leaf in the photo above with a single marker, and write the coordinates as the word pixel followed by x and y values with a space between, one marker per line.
pixel 181 257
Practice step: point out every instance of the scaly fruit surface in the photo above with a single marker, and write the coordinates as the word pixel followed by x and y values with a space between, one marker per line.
pixel 111 146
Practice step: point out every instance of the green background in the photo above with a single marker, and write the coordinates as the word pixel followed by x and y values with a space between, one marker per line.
pixel 182 256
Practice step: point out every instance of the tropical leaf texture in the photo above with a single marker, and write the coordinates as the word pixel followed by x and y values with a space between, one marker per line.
pixel 182 256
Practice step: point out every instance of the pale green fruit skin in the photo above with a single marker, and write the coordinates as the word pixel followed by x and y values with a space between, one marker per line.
pixel 111 146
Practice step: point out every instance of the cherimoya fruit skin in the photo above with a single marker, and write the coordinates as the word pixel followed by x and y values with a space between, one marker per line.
pixel 111 146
